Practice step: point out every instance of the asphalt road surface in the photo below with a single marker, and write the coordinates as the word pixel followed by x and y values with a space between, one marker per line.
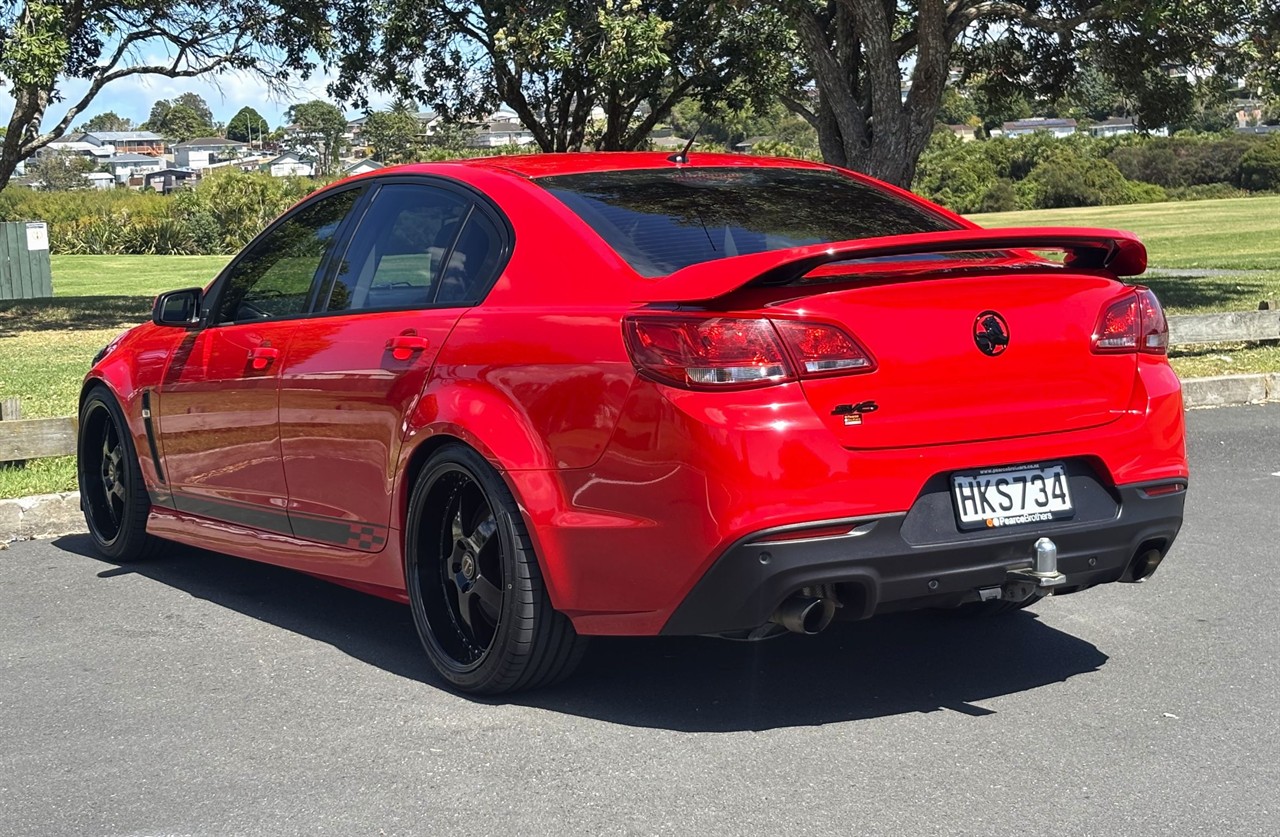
pixel 207 695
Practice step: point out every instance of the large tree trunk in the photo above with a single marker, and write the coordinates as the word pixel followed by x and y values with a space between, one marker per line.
pixel 22 136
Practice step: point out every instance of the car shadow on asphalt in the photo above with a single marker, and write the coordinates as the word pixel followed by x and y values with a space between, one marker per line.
pixel 895 664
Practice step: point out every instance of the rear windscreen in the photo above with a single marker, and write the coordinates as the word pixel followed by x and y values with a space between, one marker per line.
pixel 661 220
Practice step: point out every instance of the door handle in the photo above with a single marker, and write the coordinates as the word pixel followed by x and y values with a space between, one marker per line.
pixel 402 346
pixel 260 357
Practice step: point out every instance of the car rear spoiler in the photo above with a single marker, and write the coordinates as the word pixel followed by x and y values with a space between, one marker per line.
pixel 1118 252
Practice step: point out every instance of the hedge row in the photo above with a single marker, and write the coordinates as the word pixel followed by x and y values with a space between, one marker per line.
pixel 220 215
pixel 1042 172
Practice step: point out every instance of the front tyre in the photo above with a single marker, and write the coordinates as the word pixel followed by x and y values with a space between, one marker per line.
pixel 478 598
pixel 112 492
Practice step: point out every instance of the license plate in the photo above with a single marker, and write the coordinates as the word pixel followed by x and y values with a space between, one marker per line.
pixel 1012 496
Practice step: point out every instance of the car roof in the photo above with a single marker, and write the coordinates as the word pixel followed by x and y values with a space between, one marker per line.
pixel 544 165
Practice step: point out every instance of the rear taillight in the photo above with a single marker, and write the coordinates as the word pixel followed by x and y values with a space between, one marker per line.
pixel 820 349
pixel 707 351
pixel 1134 323
pixel 737 352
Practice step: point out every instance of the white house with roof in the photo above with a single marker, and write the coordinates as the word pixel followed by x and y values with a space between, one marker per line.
pixel 98 153
pixel 1026 127
pixel 125 166
pixel 502 127
pixel 290 163
pixel 202 152
pixel 360 167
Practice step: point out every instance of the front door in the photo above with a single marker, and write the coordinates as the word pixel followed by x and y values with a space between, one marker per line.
pixel 217 414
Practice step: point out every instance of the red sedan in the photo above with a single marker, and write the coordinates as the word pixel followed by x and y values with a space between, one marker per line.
pixel 546 397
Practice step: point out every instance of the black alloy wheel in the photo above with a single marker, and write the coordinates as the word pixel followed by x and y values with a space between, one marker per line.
pixel 112 492
pixel 479 604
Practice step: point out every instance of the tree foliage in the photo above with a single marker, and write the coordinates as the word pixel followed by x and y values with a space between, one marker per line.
pixel 879 69
pixel 247 126
pixel 109 121
pixel 318 129
pixel 44 44
pixel 552 63
pixel 61 171
pixel 395 135
pixel 181 118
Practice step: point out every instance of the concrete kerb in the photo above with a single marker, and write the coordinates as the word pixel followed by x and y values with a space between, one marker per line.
pixel 50 515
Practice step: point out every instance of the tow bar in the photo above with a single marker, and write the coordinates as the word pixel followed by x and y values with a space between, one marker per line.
pixel 1040 578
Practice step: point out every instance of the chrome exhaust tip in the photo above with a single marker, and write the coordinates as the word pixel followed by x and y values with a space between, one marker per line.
pixel 806 615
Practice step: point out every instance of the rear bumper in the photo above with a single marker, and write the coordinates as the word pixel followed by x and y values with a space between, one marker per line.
pixel 876 568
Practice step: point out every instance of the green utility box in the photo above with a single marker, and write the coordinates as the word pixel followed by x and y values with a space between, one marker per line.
pixel 24 260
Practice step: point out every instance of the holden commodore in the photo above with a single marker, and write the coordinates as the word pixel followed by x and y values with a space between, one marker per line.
pixel 547 397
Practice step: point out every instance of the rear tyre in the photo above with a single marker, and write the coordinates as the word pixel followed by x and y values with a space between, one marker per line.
pixel 112 492
pixel 478 599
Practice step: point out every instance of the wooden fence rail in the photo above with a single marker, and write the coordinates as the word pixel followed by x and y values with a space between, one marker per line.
pixel 22 439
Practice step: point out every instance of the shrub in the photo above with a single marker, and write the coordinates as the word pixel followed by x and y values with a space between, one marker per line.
pixel 1067 179
pixel 1001 197
pixel 1205 192
pixel 1260 167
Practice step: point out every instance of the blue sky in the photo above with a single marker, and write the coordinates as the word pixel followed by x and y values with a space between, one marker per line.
pixel 132 97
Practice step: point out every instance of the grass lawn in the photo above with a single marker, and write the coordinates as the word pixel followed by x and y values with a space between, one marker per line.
pixel 46 345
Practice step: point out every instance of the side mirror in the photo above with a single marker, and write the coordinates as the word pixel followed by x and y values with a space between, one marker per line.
pixel 179 309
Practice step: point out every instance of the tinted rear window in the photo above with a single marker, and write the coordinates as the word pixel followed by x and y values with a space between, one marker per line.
pixel 663 220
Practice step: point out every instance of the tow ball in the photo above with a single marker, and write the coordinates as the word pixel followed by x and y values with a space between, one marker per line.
pixel 1038 579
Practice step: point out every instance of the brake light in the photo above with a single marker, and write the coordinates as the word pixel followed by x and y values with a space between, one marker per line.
pixel 734 352
pixel 712 352
pixel 1134 323
pixel 820 349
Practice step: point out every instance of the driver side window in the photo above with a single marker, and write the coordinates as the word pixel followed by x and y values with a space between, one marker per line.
pixel 273 279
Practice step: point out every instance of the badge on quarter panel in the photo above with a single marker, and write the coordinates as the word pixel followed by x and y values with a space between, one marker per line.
pixel 991 333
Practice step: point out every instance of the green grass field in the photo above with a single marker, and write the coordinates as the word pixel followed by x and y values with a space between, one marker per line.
pixel 46 345
pixel 1241 235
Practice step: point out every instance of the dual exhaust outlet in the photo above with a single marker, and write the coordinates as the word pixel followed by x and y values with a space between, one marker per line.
pixel 804 614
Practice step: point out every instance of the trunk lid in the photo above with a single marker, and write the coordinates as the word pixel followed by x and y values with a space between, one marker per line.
pixel 933 382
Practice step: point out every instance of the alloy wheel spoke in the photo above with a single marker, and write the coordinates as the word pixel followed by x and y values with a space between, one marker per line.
pixel 478 539
pixel 489 595
pixel 464 607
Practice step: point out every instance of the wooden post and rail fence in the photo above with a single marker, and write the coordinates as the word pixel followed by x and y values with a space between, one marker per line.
pixel 22 439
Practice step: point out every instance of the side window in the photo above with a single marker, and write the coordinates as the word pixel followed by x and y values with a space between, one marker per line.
pixel 472 262
pixel 273 279
pixel 396 257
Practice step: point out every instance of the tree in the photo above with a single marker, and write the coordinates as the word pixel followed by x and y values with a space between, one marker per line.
pixel 553 62
pixel 61 171
pixel 395 135
pixel 46 43
pixel 109 121
pixel 247 126
pixel 177 121
pixel 877 70
pixel 318 129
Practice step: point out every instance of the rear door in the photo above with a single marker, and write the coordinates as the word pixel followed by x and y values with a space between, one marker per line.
pixel 217 410
pixel 422 253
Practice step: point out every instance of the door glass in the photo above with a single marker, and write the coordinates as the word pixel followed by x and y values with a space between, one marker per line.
pixel 472 262
pixel 273 278
pixel 396 255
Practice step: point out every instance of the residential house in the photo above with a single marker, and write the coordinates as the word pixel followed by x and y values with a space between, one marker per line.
pixel 966 133
pixel 98 153
pixel 1026 127
pixel 170 179
pixel 100 180
pixel 126 166
pixel 127 142
pixel 361 167
pixel 290 163
pixel 500 128
pixel 202 152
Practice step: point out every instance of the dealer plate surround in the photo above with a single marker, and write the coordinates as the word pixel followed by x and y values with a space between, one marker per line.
pixel 1013 495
